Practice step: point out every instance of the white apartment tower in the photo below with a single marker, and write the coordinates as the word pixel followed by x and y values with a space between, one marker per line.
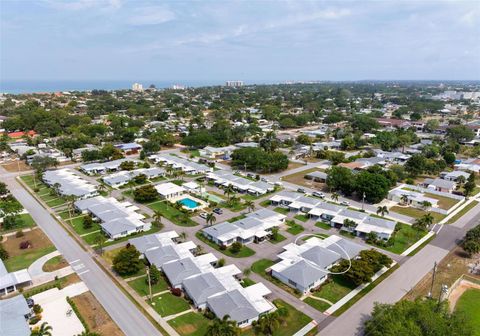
pixel 137 87
pixel 234 83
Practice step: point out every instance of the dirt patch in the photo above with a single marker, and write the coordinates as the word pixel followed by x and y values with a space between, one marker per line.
pixel 186 329
pixel 95 316
pixel 54 264
pixel 452 267
pixel 16 166
pixel 459 290
pixel 298 178
pixel 36 237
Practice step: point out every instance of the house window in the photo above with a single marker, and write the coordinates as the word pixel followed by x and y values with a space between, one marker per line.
pixel 293 283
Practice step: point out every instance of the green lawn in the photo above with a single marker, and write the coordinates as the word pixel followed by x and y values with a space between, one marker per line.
pixel 334 289
pixel 247 282
pixel 405 237
pixel 265 203
pixel 141 287
pixel 27 222
pixel 302 218
pixel 77 224
pixel 24 260
pixel 190 324
pixel 172 214
pixel 323 225
pixel 317 304
pixel 416 213
pixel 469 304
pixel 462 212
pixel 295 320
pixel 294 228
pixel 244 251
pixel 443 202
pixel 261 265
pixel 279 238
pixel 169 304
pixel 283 211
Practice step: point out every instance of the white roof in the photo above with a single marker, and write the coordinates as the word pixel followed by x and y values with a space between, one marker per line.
pixel 169 188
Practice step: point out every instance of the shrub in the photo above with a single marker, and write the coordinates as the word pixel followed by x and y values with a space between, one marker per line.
pixel 25 245
pixel 236 247
pixel 35 319
pixel 176 291
pixel 19 234
pixel 223 247
pixel 37 309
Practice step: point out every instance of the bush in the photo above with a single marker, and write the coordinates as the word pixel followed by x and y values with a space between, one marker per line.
pixel 87 222
pixel 3 253
pixel 236 247
pixel 209 314
pixel 223 247
pixel 19 234
pixel 127 261
pixel 25 245
pixel 176 291
pixel 35 319
pixel 221 262
pixel 37 309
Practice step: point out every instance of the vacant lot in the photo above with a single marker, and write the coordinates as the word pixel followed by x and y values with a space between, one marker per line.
pixel 416 213
pixel 299 179
pixel 95 316
pixel 22 258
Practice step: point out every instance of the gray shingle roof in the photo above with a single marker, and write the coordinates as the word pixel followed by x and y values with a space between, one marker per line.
pixel 321 256
pixel 233 304
pixel 12 316
pixel 303 273
pixel 179 270
pixel 202 286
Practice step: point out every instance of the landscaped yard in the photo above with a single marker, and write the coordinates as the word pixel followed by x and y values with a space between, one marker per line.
pixel 317 304
pixel 469 304
pixel 20 259
pixel 294 228
pixel 169 304
pixel 416 213
pixel 323 225
pixel 54 264
pixel 172 214
pixel 283 211
pixel 334 289
pixel 443 202
pixel 302 218
pixel 462 212
pixel 278 238
pixel 190 324
pixel 77 224
pixel 243 253
pixel 295 320
pixel 404 238
pixel 27 222
pixel 141 287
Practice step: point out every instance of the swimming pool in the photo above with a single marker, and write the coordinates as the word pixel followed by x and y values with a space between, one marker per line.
pixel 189 203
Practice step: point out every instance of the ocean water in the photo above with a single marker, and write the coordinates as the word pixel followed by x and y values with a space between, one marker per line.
pixel 31 86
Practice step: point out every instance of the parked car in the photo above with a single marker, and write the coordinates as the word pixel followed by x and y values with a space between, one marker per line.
pixel 301 190
pixel 203 215
pixel 318 194
pixel 218 211
pixel 30 302
pixel 345 203
pixel 278 184
pixel 264 179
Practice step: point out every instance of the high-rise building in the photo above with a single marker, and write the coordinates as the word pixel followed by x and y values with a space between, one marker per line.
pixel 137 87
pixel 234 83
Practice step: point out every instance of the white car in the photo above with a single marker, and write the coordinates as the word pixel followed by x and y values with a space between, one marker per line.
pixel 318 194
pixel 345 203
pixel 203 215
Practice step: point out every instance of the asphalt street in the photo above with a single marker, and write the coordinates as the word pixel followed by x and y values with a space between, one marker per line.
pixel 130 320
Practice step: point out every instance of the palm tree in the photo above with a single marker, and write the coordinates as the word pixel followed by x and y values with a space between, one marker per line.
pixel 56 189
pixel 229 191
pixel 246 272
pixel 211 218
pixel 335 196
pixel 426 205
pixel 99 240
pixel 461 180
pixel 382 210
pixel 428 218
pixel 157 216
pixel 267 324
pixel 223 327
pixel 404 198
pixel 43 330
pixel 199 250
pixel 71 204
pixel 101 187
pixel 250 205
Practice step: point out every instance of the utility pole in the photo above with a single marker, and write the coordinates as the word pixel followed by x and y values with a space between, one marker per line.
pixel 430 294
pixel 149 284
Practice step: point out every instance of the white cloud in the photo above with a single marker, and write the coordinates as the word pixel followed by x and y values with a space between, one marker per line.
pixel 151 16
pixel 84 4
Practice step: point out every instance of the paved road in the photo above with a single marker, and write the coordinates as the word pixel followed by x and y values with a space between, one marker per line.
pixel 130 320
pixel 402 280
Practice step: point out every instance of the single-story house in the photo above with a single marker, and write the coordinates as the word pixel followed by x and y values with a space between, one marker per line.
pixel 69 183
pixel 106 167
pixel 454 175
pixel 14 315
pixel 170 190
pixel 129 148
pixel 11 281
pixel 317 176
pixel 439 184
pixel 180 163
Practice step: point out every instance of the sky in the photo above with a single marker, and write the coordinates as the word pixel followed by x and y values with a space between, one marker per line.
pixel 254 41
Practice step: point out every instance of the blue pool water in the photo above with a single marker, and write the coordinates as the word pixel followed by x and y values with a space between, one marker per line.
pixel 189 203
